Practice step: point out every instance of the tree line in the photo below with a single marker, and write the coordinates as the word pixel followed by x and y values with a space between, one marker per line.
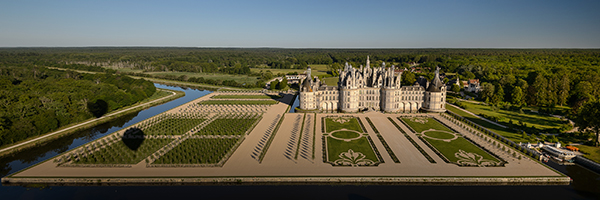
pixel 37 100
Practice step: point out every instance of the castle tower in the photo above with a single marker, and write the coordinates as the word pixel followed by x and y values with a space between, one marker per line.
pixel 435 95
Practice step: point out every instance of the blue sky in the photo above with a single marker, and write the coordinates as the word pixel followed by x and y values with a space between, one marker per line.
pixel 302 24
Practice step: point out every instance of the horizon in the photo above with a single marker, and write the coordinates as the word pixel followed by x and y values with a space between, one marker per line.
pixel 302 25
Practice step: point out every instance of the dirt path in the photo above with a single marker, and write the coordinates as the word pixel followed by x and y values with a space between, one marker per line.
pixel 48 135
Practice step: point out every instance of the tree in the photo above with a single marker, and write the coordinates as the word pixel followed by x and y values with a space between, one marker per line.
pixel 283 84
pixel 274 84
pixel 455 88
pixel 408 78
pixel 487 91
pixel 588 118
pixel 498 95
pixel 517 96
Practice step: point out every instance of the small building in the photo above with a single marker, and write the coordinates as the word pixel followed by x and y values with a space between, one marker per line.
pixel 473 86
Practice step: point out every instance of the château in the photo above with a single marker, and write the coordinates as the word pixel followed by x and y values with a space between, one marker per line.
pixel 372 88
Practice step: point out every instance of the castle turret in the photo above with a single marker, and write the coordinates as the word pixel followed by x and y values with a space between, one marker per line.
pixel 435 95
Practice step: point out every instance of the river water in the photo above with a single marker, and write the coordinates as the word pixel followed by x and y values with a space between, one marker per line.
pixel 585 185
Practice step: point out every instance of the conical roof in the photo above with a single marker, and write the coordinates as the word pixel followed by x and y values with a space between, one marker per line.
pixel 436 84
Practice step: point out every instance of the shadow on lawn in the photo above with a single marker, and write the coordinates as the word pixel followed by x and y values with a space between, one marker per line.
pixel 133 138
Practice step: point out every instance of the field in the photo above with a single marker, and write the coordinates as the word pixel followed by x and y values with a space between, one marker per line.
pixel 238 102
pixel 331 81
pixel 530 119
pixel 316 70
pixel 339 123
pixel 215 76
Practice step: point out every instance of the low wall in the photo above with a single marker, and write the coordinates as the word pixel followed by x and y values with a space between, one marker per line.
pixel 295 181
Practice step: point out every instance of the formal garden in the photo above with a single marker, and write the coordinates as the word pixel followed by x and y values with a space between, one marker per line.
pixel 230 124
pixel 199 151
pixel 451 146
pixel 346 145
pixel 238 102
pixel 335 123
pixel 171 124
pixel 115 151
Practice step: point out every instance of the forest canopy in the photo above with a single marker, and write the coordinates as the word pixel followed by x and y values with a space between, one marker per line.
pixel 37 100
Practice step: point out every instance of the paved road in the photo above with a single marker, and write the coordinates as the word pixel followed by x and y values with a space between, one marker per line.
pixel 78 125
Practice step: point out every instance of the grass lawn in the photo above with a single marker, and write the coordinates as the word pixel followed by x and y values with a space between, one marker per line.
pixel 157 95
pixel 173 126
pixel 120 153
pixel 336 147
pixel 439 134
pixel 507 133
pixel 591 152
pixel 331 81
pixel 350 124
pixel 316 70
pixel 430 124
pixel 448 149
pixel 531 119
pixel 238 102
pixel 246 97
pixel 345 134
pixel 198 151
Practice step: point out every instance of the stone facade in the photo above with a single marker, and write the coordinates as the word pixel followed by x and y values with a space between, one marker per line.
pixel 372 88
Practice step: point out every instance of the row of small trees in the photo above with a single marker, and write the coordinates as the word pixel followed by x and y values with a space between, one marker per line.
pixel 230 124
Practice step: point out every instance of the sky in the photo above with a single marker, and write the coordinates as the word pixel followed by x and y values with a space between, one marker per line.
pixel 302 23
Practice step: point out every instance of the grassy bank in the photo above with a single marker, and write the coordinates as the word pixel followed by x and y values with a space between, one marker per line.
pixel 64 132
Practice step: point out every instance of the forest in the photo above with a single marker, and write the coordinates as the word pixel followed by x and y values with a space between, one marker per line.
pixel 37 100
pixel 511 78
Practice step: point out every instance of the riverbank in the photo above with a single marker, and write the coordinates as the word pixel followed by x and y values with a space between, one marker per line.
pixel 69 129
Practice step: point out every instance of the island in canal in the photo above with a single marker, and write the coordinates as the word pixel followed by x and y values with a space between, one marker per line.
pixel 250 137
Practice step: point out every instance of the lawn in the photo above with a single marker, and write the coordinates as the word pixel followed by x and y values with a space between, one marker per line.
pixel 316 70
pixel 449 149
pixel 345 134
pixel 592 153
pixel 336 147
pixel 331 81
pixel 121 153
pixel 429 123
pixel 529 118
pixel 439 134
pixel 335 123
pixel 238 102
pixel 507 133
pixel 246 97
pixel 198 151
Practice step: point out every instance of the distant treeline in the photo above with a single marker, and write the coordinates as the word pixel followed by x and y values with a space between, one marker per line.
pixel 537 77
pixel 37 100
